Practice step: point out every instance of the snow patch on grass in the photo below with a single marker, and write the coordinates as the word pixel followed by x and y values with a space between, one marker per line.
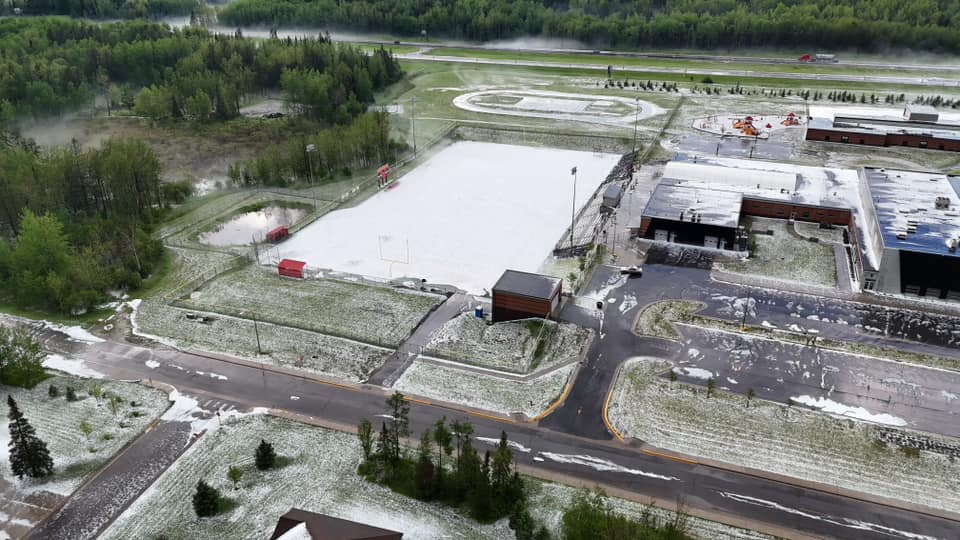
pixel 839 409
pixel 776 438
pixel 516 346
pixel 374 314
pixel 483 391
pixel 320 477
pixel 57 421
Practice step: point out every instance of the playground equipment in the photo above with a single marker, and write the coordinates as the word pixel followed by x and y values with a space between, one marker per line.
pixel 791 120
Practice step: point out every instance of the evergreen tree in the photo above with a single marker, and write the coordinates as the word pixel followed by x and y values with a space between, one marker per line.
pixel 365 434
pixel 265 458
pixel 424 471
pixel 444 440
pixel 399 423
pixel 206 501
pixel 501 473
pixel 28 454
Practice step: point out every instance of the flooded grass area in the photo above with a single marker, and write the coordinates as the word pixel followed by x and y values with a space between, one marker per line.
pixel 252 224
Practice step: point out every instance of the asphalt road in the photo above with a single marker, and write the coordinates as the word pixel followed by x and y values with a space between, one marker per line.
pixel 926 399
pixel 752 498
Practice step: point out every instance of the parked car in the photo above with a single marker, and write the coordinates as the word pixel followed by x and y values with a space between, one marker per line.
pixel 633 271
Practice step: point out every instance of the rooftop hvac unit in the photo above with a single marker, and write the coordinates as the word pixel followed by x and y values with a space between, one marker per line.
pixel 942 203
pixel 952 244
pixel 901 236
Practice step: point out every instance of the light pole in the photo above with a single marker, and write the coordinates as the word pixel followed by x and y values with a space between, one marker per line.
pixel 311 148
pixel 413 122
pixel 573 206
pixel 636 119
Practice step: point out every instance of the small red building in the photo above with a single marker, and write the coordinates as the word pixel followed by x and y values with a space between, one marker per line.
pixel 278 234
pixel 291 268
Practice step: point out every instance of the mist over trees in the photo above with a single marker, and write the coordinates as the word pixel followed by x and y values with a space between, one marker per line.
pixel 868 25
pixel 54 65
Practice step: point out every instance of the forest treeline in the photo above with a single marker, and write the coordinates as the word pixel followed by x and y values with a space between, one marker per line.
pixel 867 25
pixel 79 222
pixel 107 9
pixel 51 65
pixel 319 158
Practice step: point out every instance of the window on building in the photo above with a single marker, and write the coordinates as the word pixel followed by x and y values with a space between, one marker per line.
pixel 940 147
pixel 869 284
pixel 844 139
pixel 923 144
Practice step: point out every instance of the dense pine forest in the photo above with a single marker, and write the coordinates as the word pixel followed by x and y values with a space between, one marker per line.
pixel 53 65
pixel 868 25
pixel 76 223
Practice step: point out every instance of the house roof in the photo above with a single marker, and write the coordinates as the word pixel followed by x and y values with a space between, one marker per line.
pixel 527 284
pixel 323 527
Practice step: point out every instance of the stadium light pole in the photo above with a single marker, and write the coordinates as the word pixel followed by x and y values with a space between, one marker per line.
pixel 573 206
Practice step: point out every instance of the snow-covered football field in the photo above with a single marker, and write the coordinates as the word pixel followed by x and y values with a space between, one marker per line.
pixel 471 211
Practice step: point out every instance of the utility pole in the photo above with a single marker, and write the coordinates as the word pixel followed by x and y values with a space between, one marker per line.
pixel 257 332
pixel 573 206
pixel 316 202
pixel 636 119
pixel 413 122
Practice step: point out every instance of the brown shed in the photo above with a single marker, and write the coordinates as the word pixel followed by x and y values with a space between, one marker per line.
pixel 522 295
pixel 322 527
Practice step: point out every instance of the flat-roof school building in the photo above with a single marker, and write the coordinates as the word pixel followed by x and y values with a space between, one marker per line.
pixel 902 227
pixel 915 219
pixel 920 127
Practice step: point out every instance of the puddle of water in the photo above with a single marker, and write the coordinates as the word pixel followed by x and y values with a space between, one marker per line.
pixel 243 228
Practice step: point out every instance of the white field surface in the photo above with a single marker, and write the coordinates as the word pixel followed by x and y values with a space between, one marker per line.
pixel 57 422
pixel 776 438
pixel 282 346
pixel 596 109
pixel 380 315
pixel 508 346
pixel 463 217
pixel 483 390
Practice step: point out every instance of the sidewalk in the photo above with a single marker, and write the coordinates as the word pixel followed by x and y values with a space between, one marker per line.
pixel 108 493
pixel 419 338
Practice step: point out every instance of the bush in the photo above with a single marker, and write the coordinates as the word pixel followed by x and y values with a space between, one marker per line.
pixel 265 457
pixel 176 192
pixel 71 394
pixel 206 501
pixel 53 391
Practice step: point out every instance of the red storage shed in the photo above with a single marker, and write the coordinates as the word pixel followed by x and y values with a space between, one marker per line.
pixel 291 268
pixel 278 234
